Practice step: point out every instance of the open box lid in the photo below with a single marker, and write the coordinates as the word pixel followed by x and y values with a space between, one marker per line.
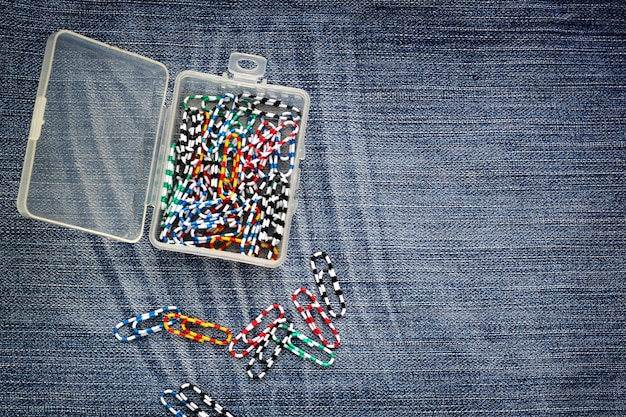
pixel 92 137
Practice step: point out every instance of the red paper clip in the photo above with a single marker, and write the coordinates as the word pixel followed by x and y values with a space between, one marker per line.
pixel 316 330
pixel 259 337
pixel 294 298
pixel 310 321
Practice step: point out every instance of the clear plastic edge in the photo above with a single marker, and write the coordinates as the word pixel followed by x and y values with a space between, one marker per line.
pixel 38 120
pixel 159 154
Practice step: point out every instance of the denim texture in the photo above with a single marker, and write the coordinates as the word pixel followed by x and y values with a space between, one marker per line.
pixel 465 170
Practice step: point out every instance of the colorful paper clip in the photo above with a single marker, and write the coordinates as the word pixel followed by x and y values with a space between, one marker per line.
pixel 316 330
pixel 186 333
pixel 169 407
pixel 259 337
pixel 227 176
pixel 294 298
pixel 215 406
pixel 138 333
pixel 310 321
pixel 319 279
pixel 308 342
pixel 258 354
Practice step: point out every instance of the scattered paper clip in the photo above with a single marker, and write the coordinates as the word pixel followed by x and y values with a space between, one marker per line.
pixel 316 330
pixel 215 406
pixel 294 298
pixel 310 321
pixel 169 407
pixel 257 343
pixel 319 279
pixel 138 333
pixel 259 337
pixel 310 343
pixel 258 354
pixel 186 333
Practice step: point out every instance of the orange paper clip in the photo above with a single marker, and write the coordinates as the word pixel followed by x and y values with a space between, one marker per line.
pixel 186 333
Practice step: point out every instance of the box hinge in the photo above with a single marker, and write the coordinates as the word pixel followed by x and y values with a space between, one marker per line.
pixel 38 120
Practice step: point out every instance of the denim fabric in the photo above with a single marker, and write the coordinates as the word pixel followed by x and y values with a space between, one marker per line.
pixel 465 171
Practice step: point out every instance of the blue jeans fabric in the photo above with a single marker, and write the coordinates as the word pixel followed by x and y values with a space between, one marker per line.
pixel 465 171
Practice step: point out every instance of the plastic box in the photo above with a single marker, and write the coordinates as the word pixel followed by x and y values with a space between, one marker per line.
pixel 100 137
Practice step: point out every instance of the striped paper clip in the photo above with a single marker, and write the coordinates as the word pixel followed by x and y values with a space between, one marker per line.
pixel 259 337
pixel 227 178
pixel 258 354
pixel 188 334
pixel 138 333
pixel 169 407
pixel 310 321
pixel 308 342
pixel 215 406
pixel 316 330
pixel 319 280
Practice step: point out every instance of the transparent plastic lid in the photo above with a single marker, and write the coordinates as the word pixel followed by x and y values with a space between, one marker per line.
pixel 92 137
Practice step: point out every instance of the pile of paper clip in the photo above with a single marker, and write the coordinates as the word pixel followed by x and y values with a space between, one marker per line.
pixel 280 331
pixel 228 174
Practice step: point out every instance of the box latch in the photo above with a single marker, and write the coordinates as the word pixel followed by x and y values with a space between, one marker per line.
pixel 246 67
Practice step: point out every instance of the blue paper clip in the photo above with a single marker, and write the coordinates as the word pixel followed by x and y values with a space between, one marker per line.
pixel 171 409
pixel 142 332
